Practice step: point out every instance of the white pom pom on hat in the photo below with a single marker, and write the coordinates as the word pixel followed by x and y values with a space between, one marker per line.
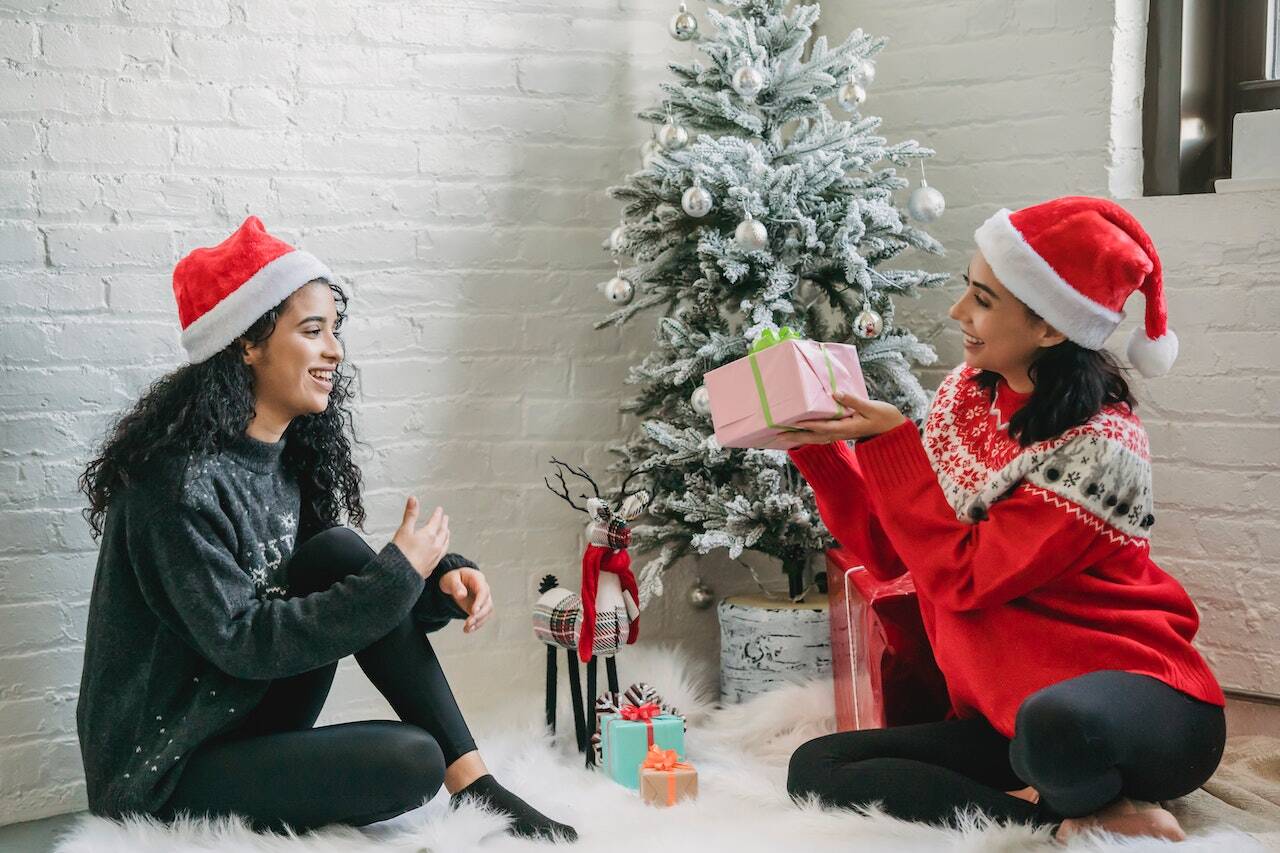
pixel 1075 261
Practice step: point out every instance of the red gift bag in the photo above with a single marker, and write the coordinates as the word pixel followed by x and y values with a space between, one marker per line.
pixel 883 666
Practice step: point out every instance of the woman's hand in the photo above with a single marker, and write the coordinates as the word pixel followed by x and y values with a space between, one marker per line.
pixel 469 589
pixel 423 548
pixel 866 418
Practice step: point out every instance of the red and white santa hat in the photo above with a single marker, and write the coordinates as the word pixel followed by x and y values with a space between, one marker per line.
pixel 221 290
pixel 1074 261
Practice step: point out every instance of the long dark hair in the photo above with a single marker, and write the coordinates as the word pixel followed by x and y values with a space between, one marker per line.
pixel 1072 384
pixel 202 408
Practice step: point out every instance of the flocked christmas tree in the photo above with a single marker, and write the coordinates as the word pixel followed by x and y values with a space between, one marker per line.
pixel 758 207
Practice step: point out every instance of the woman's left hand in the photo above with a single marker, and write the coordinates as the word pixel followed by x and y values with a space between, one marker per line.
pixel 866 418
pixel 470 590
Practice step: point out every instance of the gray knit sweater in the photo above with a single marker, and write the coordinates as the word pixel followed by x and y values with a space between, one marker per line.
pixel 188 621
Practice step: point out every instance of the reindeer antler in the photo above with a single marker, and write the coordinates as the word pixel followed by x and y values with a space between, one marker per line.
pixel 622 490
pixel 565 486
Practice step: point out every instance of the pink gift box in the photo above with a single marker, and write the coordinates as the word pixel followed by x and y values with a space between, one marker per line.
pixel 790 382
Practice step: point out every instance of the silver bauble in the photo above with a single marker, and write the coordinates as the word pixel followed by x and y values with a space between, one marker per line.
pixel 700 595
pixel 696 202
pixel 868 324
pixel 616 237
pixel 751 235
pixel 700 399
pixel 748 81
pixel 619 290
pixel 926 203
pixel 672 136
pixel 851 96
pixel 864 72
pixel 683 25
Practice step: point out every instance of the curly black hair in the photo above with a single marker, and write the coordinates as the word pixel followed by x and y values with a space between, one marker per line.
pixel 1072 384
pixel 200 408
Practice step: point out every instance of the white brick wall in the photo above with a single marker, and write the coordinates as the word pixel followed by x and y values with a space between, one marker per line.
pixel 448 161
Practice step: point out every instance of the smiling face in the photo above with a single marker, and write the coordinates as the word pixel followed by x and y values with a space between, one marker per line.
pixel 293 369
pixel 1001 334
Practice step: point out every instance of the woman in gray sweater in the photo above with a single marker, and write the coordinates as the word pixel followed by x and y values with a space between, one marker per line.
pixel 226 592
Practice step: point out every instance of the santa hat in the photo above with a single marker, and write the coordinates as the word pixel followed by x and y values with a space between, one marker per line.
pixel 1074 261
pixel 221 290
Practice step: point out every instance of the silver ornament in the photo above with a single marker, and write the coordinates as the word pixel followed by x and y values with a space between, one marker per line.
pixel 700 595
pixel 619 290
pixel 616 237
pixel 751 235
pixel 926 203
pixel 672 136
pixel 748 81
pixel 868 324
pixel 851 96
pixel 700 399
pixel 683 25
pixel 864 72
pixel 696 201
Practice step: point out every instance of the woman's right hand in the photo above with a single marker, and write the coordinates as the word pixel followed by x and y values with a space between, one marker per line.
pixel 426 546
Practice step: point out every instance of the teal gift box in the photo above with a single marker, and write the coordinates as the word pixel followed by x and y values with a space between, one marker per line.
pixel 625 743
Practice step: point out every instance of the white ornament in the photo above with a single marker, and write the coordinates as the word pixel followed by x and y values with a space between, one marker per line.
pixel 850 96
pixel 864 72
pixel 748 81
pixel 619 290
pixel 696 201
pixel 683 25
pixel 700 399
pixel 751 235
pixel 672 137
pixel 616 237
pixel 926 203
pixel 868 324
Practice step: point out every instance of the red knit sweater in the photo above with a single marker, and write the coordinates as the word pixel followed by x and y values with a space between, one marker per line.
pixel 1032 565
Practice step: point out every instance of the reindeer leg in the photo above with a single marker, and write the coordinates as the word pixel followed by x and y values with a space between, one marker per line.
pixel 575 687
pixel 591 704
pixel 551 689
pixel 611 667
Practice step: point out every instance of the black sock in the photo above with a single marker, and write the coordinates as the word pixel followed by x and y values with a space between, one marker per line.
pixel 526 820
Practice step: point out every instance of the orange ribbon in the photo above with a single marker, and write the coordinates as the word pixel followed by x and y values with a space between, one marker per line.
pixel 665 761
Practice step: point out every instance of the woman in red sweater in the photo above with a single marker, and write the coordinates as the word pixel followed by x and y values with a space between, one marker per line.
pixel 1023 514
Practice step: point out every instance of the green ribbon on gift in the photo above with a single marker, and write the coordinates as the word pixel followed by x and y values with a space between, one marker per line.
pixel 769 338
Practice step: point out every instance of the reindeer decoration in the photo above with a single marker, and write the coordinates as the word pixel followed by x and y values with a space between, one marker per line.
pixel 604 615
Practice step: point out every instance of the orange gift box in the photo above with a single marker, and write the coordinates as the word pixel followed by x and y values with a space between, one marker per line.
pixel 665 780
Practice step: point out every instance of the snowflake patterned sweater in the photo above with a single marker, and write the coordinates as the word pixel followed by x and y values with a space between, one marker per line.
pixel 189 620
pixel 1031 564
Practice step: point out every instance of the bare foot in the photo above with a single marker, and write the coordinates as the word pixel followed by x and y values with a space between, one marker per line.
pixel 1031 795
pixel 1126 817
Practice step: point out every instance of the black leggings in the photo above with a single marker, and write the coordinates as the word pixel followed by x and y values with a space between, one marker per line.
pixel 276 770
pixel 1082 743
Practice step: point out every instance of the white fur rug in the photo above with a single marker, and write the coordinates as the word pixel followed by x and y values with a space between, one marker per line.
pixel 741 754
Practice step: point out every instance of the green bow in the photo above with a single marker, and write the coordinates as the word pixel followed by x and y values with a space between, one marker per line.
pixel 769 338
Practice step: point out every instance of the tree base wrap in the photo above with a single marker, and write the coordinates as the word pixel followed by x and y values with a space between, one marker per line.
pixel 765 643
pixel 625 743
pixel 883 665
pixel 756 399
pixel 665 781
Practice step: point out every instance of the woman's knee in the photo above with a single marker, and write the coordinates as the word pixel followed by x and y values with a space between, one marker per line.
pixel 809 765
pixel 326 558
